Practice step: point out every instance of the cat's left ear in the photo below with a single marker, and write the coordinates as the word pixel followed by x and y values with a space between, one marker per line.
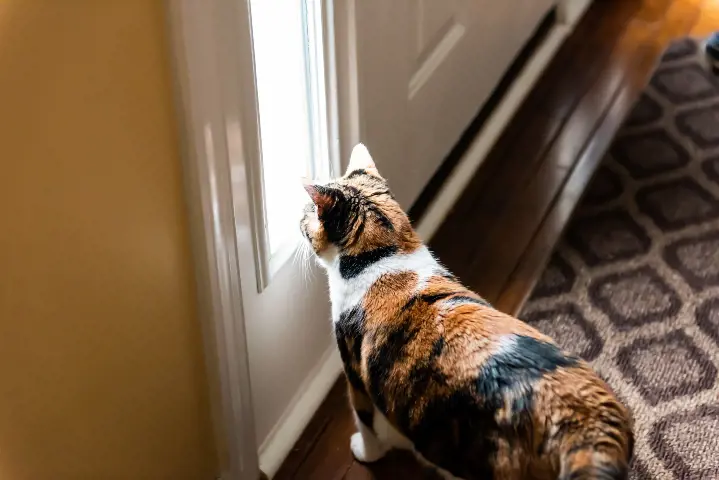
pixel 360 159
pixel 321 196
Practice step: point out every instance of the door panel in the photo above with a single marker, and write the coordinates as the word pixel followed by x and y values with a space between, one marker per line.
pixel 425 69
pixel 438 30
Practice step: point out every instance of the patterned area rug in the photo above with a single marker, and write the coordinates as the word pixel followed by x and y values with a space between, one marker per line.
pixel 633 287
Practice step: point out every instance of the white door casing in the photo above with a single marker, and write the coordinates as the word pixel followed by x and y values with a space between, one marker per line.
pixel 209 118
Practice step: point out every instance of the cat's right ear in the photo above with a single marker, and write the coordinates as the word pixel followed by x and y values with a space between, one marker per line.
pixel 360 159
pixel 321 196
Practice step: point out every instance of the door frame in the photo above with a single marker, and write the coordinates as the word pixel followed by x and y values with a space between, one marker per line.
pixel 206 47
pixel 210 44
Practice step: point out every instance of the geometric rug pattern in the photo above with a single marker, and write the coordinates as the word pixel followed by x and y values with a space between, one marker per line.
pixel 633 286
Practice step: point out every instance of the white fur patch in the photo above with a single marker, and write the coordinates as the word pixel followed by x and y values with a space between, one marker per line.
pixel 347 293
pixel 506 344
pixel 328 256
pixel 365 446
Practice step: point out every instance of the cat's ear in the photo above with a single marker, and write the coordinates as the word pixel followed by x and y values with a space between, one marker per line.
pixel 323 197
pixel 360 159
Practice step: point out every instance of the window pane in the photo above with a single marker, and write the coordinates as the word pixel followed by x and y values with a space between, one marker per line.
pixel 281 66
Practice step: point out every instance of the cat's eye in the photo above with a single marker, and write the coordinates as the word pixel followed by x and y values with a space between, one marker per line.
pixel 293 79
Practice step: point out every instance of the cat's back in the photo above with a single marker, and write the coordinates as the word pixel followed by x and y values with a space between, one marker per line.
pixel 477 391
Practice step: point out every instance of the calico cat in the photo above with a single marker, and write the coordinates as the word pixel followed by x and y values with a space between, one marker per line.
pixel 432 368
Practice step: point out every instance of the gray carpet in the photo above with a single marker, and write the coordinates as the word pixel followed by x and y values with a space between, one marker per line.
pixel 633 286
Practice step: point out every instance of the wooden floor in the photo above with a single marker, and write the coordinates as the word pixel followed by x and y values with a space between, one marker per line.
pixel 502 230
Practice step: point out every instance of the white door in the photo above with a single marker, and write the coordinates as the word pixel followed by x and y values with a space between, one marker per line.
pixel 264 107
pixel 425 68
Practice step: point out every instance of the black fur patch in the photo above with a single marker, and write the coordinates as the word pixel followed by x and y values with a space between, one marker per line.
pixel 468 436
pixel 357 173
pixel 424 373
pixel 353 376
pixel 338 219
pixel 514 369
pixel 598 472
pixel 436 298
pixel 380 363
pixel 353 265
pixel 349 330
pixel 366 417
pixel 430 299
pixel 456 433
pixel 437 348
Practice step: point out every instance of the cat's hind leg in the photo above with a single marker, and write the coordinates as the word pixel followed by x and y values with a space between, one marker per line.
pixel 388 435
pixel 365 445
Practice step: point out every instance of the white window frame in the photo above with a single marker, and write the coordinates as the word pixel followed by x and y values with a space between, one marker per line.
pixel 324 126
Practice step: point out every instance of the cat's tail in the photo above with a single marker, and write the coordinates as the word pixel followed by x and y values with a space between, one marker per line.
pixel 603 453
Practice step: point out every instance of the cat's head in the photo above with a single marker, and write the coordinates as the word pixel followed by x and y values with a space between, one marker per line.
pixel 355 213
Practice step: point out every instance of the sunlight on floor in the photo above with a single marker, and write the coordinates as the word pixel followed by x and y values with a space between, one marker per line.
pixel 709 19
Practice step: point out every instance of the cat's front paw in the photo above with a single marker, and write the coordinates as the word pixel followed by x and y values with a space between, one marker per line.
pixel 366 449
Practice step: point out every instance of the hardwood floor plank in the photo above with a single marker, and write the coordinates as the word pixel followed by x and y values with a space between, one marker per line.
pixel 335 457
pixel 333 415
pixel 394 465
pixel 358 472
pixel 653 10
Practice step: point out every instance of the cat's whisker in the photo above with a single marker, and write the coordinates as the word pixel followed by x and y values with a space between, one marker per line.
pixel 296 256
pixel 301 262
pixel 301 255
pixel 307 259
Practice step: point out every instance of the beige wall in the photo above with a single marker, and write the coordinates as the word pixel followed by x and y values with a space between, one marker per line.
pixel 101 373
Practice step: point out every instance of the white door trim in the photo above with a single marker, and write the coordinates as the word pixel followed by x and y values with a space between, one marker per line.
pixel 214 157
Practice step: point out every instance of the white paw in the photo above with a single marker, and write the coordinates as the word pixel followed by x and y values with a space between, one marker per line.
pixel 366 449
